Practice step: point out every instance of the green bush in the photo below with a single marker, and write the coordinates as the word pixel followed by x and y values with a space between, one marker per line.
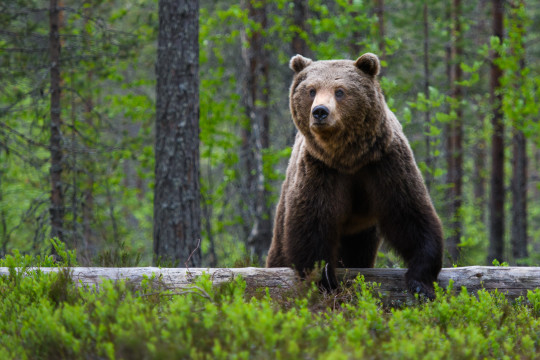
pixel 46 316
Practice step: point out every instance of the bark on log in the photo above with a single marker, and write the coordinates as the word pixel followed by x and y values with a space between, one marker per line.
pixel 512 281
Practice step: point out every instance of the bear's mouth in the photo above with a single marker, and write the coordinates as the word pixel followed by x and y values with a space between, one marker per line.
pixel 322 131
pixel 320 126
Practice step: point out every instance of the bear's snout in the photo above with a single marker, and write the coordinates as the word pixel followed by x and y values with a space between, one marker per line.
pixel 323 113
pixel 320 113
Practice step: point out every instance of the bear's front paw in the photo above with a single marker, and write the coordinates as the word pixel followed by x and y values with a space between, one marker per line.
pixel 424 290
pixel 328 279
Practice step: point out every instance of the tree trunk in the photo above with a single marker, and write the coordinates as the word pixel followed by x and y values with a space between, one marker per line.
pixel 299 45
pixel 379 10
pixel 256 105
pixel 455 138
pixel 479 150
pixel 4 237
pixel 355 36
pixel 177 228
pixel 448 128
pixel 57 208
pixel 88 246
pixel 496 221
pixel 89 241
pixel 300 16
pixel 519 196
pixel 519 169
pixel 72 167
pixel 427 120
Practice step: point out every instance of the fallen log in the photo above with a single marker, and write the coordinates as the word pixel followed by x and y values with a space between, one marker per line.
pixel 512 281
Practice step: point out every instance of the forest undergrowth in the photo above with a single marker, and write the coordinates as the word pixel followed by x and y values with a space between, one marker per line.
pixel 48 316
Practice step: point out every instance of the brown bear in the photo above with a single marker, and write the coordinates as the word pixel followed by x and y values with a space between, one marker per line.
pixel 352 179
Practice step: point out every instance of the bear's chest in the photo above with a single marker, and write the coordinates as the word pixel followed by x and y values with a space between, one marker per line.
pixel 361 216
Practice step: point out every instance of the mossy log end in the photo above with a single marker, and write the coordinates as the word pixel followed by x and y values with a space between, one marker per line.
pixel 512 281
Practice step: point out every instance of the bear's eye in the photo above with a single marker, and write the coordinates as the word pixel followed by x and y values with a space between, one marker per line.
pixel 339 93
pixel 312 93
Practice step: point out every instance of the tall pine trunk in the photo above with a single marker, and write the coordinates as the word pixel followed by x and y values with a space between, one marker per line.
pixel 519 196
pixel 300 16
pixel 57 207
pixel 427 119
pixel 379 10
pixel 4 237
pixel 256 100
pixel 519 165
pixel 299 44
pixel 480 146
pixel 455 138
pixel 496 204
pixel 177 224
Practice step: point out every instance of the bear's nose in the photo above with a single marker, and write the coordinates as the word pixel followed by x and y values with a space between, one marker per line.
pixel 320 112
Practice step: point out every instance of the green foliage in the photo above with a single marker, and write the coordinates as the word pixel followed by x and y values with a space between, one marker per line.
pixel 336 24
pixel 521 92
pixel 63 257
pixel 534 299
pixel 119 256
pixel 108 101
pixel 47 316
pixel 107 115
pixel 496 262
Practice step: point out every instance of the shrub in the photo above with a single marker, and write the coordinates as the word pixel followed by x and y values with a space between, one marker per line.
pixel 46 316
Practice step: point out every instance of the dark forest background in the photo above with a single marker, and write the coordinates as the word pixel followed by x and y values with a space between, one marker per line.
pixel 101 103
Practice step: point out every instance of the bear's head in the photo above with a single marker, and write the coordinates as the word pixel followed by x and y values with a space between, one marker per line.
pixel 339 108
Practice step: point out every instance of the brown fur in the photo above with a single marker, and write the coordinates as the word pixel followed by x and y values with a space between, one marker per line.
pixel 352 179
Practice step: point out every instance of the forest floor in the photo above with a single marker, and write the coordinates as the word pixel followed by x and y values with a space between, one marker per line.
pixel 48 316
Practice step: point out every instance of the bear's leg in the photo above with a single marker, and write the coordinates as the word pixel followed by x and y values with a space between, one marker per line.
pixel 310 235
pixel 418 239
pixel 276 258
pixel 312 241
pixel 406 216
pixel 359 250
pixel 315 201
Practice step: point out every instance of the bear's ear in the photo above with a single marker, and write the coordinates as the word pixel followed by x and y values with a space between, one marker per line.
pixel 368 63
pixel 299 63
